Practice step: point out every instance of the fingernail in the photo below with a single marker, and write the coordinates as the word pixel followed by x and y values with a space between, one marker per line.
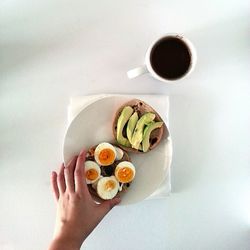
pixel 82 152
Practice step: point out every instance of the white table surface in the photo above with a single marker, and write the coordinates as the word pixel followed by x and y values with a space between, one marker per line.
pixel 53 49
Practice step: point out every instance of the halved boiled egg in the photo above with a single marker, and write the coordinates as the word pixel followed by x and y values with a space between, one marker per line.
pixel 92 172
pixel 125 172
pixel 107 187
pixel 105 154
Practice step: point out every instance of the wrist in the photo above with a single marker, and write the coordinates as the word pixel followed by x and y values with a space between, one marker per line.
pixel 63 242
pixel 68 239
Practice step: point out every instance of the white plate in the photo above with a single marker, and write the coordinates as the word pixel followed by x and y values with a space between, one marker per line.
pixel 94 125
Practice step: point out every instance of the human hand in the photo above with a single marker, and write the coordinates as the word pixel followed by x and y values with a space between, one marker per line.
pixel 77 213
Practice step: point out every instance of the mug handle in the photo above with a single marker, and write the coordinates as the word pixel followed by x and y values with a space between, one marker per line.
pixel 137 72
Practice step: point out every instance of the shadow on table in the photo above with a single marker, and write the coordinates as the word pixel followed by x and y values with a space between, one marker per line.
pixel 211 38
pixel 225 41
pixel 193 115
pixel 192 130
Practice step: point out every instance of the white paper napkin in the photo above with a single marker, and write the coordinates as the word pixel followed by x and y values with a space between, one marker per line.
pixel 158 102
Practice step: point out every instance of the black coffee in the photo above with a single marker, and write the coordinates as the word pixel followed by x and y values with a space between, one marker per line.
pixel 170 58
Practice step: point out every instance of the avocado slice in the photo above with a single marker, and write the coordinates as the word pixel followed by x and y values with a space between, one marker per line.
pixel 131 125
pixel 146 135
pixel 122 120
pixel 138 132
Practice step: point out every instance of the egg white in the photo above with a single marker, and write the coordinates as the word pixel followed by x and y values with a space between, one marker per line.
pixel 119 153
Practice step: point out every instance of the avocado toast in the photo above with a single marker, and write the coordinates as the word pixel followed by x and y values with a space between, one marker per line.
pixel 137 127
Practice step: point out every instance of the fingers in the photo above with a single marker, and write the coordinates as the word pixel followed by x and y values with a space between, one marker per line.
pixel 61 180
pixel 106 206
pixel 69 175
pixel 79 174
pixel 54 185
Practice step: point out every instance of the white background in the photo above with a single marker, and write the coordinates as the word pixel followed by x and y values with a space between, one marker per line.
pixel 53 49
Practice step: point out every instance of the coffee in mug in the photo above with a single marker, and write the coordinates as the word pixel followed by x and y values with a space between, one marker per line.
pixel 168 59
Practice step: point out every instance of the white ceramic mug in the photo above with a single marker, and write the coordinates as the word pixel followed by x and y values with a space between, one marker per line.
pixel 147 67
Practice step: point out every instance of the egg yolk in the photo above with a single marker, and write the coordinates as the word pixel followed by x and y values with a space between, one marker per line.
pixel 106 156
pixel 109 185
pixel 125 175
pixel 91 174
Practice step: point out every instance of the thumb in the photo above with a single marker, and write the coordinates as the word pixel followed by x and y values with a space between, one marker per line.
pixel 106 206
